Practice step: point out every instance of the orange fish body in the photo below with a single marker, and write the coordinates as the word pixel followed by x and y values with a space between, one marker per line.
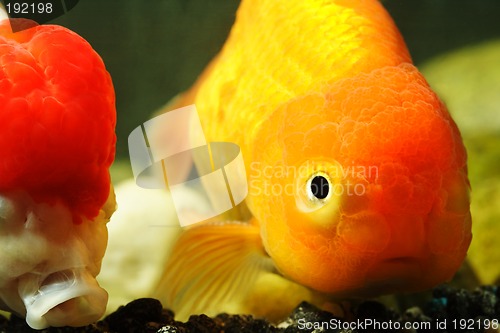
pixel 357 174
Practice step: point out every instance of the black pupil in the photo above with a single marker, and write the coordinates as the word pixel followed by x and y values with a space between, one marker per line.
pixel 320 187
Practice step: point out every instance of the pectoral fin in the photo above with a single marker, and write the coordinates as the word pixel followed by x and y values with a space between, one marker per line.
pixel 212 269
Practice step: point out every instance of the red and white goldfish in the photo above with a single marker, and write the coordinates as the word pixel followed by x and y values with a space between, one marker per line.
pixel 57 119
pixel 357 173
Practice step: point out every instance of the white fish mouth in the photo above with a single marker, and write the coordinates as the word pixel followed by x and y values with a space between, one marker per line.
pixel 70 297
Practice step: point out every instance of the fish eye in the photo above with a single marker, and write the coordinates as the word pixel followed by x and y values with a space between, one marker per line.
pixel 315 190
pixel 318 187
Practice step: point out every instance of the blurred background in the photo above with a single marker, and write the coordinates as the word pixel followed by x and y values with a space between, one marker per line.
pixel 155 49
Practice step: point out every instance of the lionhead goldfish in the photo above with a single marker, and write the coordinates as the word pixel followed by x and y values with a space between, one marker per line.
pixel 57 119
pixel 356 171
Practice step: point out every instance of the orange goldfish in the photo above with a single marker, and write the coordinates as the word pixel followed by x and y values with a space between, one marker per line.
pixel 357 173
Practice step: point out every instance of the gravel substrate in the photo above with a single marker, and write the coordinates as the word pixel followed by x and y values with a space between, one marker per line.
pixel 450 310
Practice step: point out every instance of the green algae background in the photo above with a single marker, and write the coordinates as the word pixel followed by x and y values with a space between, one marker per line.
pixel 154 50
pixel 468 80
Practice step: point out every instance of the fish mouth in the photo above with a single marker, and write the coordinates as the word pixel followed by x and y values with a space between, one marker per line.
pixel 394 274
pixel 387 276
pixel 69 297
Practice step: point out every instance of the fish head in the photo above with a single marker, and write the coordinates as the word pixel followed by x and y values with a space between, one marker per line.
pixel 361 186
pixel 57 119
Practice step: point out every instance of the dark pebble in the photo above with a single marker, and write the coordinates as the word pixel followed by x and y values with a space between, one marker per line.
pixel 134 316
pixel 146 315
pixel 308 318
pixel 243 323
pixel 18 325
